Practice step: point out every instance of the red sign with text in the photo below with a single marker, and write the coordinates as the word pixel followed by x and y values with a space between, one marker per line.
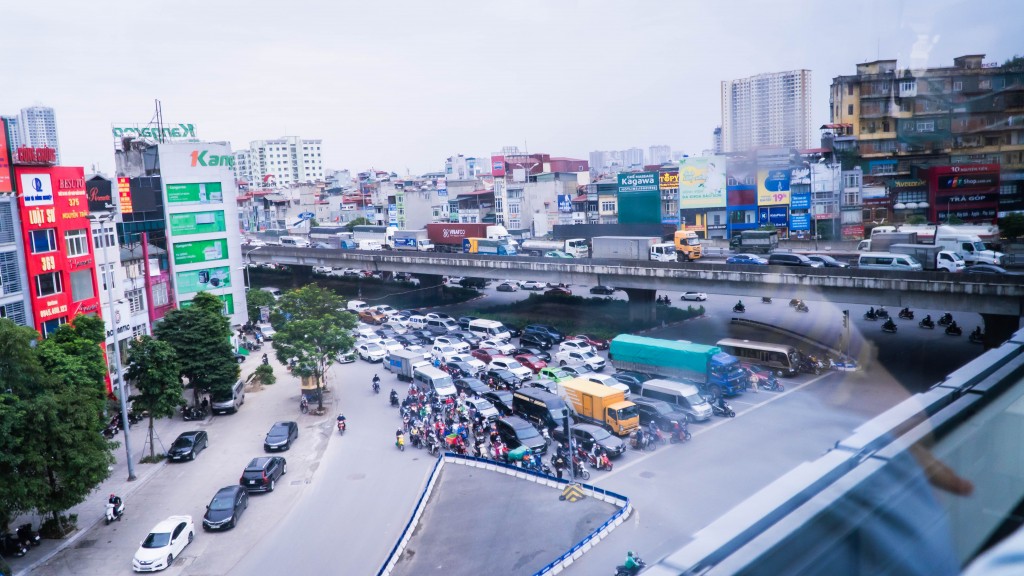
pixel 5 165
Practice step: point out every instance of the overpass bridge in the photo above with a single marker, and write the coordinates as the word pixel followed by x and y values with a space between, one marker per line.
pixel 998 299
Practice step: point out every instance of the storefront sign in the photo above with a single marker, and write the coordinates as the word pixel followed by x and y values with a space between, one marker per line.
pixel 204 193
pixel 204 279
pixel 200 251
pixel 772 187
pixel 197 223
pixel 179 131
pixel 124 195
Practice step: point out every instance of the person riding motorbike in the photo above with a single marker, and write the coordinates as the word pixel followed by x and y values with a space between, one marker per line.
pixel 977 332
pixel 871 311
pixel 631 564
pixel 639 438
pixel 394 397
pixel 952 327
pixel 115 507
pixel 928 320
pixel 766 299
pixel 399 438
pixel 266 359
pixel 889 324
pixel 739 306
pixel 376 383
pixel 905 312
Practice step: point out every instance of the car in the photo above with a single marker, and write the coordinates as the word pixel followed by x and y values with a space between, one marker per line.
pixel 371 351
pixel 576 371
pixel 990 269
pixel 471 360
pixel 532 285
pixel 454 279
pixel 347 357
pixel 587 435
pixel 351 273
pixel 426 337
pixel 558 291
pixel 827 261
pixel 746 259
pixel 530 361
pixel 527 351
pixel 385 334
pixel 501 346
pixel 535 340
pixel 660 412
pixel 468 337
pixel 420 350
pixel 188 445
pixel 575 346
pixel 465 320
pixel 454 342
pixel 507 287
pixel 407 340
pixel 386 310
pixel 473 283
pixel 224 510
pixel 281 436
pixel 471 386
pixel 513 330
pixel 602 290
pixel 558 254
pixel 545 330
pixel 395 326
pixel 610 381
pixel 438 316
pixel 443 353
pixel 371 316
pixel 634 380
pixel 512 365
pixel 262 473
pixel 545 385
pixel 501 399
pixel 554 374
pixel 391 345
pixel 323 270
pixel 484 407
pixel 516 432
pixel 503 378
pixel 485 355
pixel 595 342
pixel 790 259
pixel 164 543
pixel 697 296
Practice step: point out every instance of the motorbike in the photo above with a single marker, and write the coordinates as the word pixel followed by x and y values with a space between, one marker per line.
pixel 977 337
pixel 596 462
pixel 394 398
pixel 341 426
pixel 680 433
pixel 954 330
pixel 646 444
pixel 432 445
pixel 889 326
pixel 882 313
pixel 621 570
pixel 400 442
pixel 906 314
pixel 771 385
pixel 27 534
pixel 136 416
pixel 794 302
pixel 10 546
pixel 376 385
pixel 801 307
pixel 579 469
pixel 722 409
pixel 114 513
pixel 112 429
pixel 927 323
pixel 766 300
pixel 946 319
pixel 870 315
pixel 189 413
pixel 739 308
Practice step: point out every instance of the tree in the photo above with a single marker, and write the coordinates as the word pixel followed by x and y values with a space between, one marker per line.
pixel 154 373
pixel 1012 225
pixel 312 327
pixel 917 219
pixel 201 338
pixel 254 299
pixel 263 374
pixel 356 222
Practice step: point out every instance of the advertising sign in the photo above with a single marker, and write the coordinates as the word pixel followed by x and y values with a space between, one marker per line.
pixel 36 189
pixel 497 165
pixel 6 185
pixel 702 182
pixel 202 193
pixel 124 195
pixel 968 181
pixel 442 188
pixel 638 182
pixel 227 299
pixel 174 131
pixel 799 222
pixel 668 180
pixel 203 279
pixel 772 187
pixel 777 216
pixel 200 251
pixel 800 201
pixel 197 223
pixel 99 194
pixel 565 203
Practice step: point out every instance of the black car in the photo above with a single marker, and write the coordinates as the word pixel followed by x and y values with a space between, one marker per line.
pixel 471 386
pixel 502 400
pixel 426 337
pixel 516 432
pixel 406 340
pixel 602 290
pixel 587 434
pixel 827 261
pixel 503 378
pixel 188 445
pixel 227 505
pixel 281 436
pixel 790 259
pixel 465 320
pixel 549 332
pixel 513 330
pixel 660 412
pixel 473 283
pixel 262 473
pixel 632 379
pixel 990 269
pixel 387 333
pixel 535 340
pixel 533 351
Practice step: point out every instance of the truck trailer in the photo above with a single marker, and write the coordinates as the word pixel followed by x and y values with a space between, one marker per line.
pixel 577 247
pixel 931 257
pixel 448 237
pixel 757 241
pixel 633 248
pixel 714 372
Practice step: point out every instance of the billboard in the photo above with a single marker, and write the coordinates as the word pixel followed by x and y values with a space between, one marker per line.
pixel 200 251
pixel 197 223
pixel 799 222
pixel 800 201
pixel 564 203
pixel 154 132
pixel 668 180
pixel 497 165
pixel 702 182
pixel 777 216
pixel 99 193
pixel 772 187
pixel 202 193
pixel 638 182
pixel 6 185
pixel 203 279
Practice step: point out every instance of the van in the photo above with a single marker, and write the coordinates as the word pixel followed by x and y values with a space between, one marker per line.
pixel 275 292
pixel 685 397
pixel 888 261
pixel 416 323
pixel 369 245
pixel 516 432
pixel 442 325
pixel 228 402
pixel 294 241
pixel 539 407
pixel 489 329
pixel 431 379
pixel 356 305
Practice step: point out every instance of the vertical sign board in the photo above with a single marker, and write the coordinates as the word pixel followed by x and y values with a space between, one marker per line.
pixel 565 203
pixel 6 185
pixel 639 198
pixel 497 165
pixel 124 195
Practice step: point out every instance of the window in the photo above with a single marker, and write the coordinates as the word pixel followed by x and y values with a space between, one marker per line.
pixel 134 298
pixel 15 311
pixel 81 285
pixel 50 326
pixel 926 126
pixel 77 243
pixel 958 86
pixel 107 275
pixel 10 276
pixel 43 240
pixel 849 91
pixel 849 109
pixel 160 295
pixel 608 206
pixel 49 284
pixel 138 331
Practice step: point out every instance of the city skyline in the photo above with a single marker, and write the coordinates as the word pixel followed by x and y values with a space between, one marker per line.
pixel 578 81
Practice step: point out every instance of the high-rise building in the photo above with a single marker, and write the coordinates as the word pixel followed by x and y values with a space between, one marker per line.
pixel 716 140
pixel 34 127
pixel 279 162
pixel 659 154
pixel 767 110
pixel 13 131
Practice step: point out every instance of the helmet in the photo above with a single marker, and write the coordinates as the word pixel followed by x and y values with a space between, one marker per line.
pixel 630 553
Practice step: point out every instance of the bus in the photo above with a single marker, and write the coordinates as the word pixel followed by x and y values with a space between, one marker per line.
pixel 778 356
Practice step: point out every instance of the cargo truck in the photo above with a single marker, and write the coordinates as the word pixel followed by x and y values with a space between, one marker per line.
pixel 448 237
pixel 687 245
pixel 757 241
pixel 606 407
pixel 403 362
pixel 931 257
pixel 880 242
pixel 969 246
pixel 714 372
pixel 413 240
pixel 385 235
pixel 539 246
pixel 496 247
pixel 633 248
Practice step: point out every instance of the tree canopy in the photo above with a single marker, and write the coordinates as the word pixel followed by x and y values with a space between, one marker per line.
pixel 1012 225
pixel 154 373
pixel 255 299
pixel 201 338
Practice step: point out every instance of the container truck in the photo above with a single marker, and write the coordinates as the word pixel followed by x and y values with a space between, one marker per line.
pixel 988 233
pixel 497 247
pixel 714 372
pixel 880 242
pixel 687 245
pixel 606 407
pixel 633 248
pixel 383 234
pixel 969 246
pixel 763 241
pixel 539 246
pixel 402 363
pixel 931 257
pixel 413 240
pixel 448 237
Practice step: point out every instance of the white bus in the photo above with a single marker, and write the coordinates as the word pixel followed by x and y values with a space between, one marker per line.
pixel 779 356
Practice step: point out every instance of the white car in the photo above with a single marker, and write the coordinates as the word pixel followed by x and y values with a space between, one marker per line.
pixel 513 366
pixel 457 343
pixel 575 346
pixel 392 345
pixel 587 360
pixel 371 351
pixel 438 316
pixel 609 381
pixel 454 279
pixel 532 285
pixel 325 270
pixel 164 543
pixel 485 408
pixel 443 353
pixel 394 325
pixel 500 345
pixel 476 363
pixel 386 310
pixel 698 296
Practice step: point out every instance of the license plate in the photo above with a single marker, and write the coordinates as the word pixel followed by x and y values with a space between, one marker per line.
pixel 252 482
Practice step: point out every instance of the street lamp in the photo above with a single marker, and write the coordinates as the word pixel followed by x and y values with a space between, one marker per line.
pixel 247 264
pixel 109 217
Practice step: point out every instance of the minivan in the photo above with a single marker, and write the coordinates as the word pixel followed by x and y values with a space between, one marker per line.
pixel 789 259
pixel 294 241
pixel 888 261
pixel 432 379
pixel 685 397
pixel 489 329
pixel 229 401
pixel 539 407
pixel 416 323
pixel 442 326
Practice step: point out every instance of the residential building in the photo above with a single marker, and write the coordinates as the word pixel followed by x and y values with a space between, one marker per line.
pixel 34 127
pixel 659 154
pixel 15 290
pixel 767 110
pixel 279 162
pixel 716 140
pixel 13 131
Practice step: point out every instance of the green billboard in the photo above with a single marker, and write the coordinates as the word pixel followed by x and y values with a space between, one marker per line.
pixel 639 198
pixel 227 299
pixel 200 251
pixel 202 193
pixel 197 223
pixel 203 279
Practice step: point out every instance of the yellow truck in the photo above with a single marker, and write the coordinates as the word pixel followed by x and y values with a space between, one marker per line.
pixel 602 405
pixel 687 245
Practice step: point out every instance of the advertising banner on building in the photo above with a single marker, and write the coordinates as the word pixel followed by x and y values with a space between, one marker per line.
pixel 178 131
pixel 798 222
pixel 124 195
pixel 201 193
pixel 565 203
pixel 200 251
pixel 638 182
pixel 772 187
pixel 668 180
pixel 98 191
pixel 203 279
pixel 226 299
pixel 777 216
pixel 197 223
pixel 800 201
pixel 702 182
pixel 442 187
pixel 6 184
pixel 497 165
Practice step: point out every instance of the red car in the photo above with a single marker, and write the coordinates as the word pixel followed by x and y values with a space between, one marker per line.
pixel 597 343
pixel 558 292
pixel 485 355
pixel 531 362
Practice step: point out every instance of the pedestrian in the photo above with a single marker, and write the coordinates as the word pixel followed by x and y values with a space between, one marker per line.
pixel 559 465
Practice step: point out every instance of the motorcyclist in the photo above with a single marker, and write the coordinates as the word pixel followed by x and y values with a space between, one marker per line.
pixel 652 429
pixel 889 324
pixel 117 504
pixel 631 564
pixel 977 332
pixel 871 312
pixel 952 326
pixel 376 383
pixel 640 437
pixel 739 305
pixel 766 299
pixel 722 404
pixel 266 359
pixel 394 397
pixel 399 437
pixel 927 320
pixel 905 312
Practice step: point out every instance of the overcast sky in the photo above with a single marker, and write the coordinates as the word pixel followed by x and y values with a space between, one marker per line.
pixel 403 84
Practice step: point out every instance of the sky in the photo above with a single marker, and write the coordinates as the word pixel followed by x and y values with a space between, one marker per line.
pixel 401 85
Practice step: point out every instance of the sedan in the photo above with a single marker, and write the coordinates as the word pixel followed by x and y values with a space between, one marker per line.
pixel 698 296
pixel 532 362
pixel 595 342
pixel 532 285
pixel 746 259
pixel 587 435
pixel 486 354
pixel 602 290
pixel 535 340
pixel 990 269
pixel 474 363
pixel 557 291
pixel 164 543
pixel 452 341
pixel 472 386
pixel 507 287
pixel 827 261
pixel 526 351
pixel 227 505
pixel 500 345
pixel 484 408
pixel 503 378
pixel 406 340
pixel 468 337
pixel 188 445
pixel 281 436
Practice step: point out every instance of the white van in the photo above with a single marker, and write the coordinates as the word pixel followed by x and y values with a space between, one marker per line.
pixel 888 261
pixel 685 397
pixel 228 402
pixel 275 292
pixel 489 329
pixel 294 241
pixel 356 305
pixel 431 379
pixel 369 245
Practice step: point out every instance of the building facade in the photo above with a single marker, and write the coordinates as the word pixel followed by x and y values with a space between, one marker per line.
pixel 34 127
pixel 279 162
pixel 767 110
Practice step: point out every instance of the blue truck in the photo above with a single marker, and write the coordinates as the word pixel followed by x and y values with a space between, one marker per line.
pixel 713 371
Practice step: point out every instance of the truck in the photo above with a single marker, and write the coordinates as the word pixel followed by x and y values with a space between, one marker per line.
pixel 413 240
pixel 969 246
pixel 988 233
pixel 633 248
pixel 496 247
pixel 594 403
pixel 448 237
pixel 713 371
pixel 931 257
pixel 402 363
pixel 368 244
pixel 763 241
pixel 383 234
pixel 687 245
pixel 881 241
pixel 539 246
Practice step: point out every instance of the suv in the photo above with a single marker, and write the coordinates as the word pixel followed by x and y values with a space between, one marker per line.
pixel 592 361
pixel 784 259
pixel 635 380
pixel 535 340
pixel 549 332
pixel 262 473
pixel 516 432
pixel 660 412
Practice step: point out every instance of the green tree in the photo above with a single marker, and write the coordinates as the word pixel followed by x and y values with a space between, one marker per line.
pixel 1012 225
pixel 263 374
pixel 917 219
pixel 154 373
pixel 312 327
pixel 356 222
pixel 201 338
pixel 254 299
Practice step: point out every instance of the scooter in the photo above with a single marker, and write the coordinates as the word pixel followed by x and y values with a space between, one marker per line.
pixel 341 427
pixel 871 315
pixel 794 302
pixel 680 433
pixel 647 444
pixel 723 411
pixel 889 326
pixel 621 570
pixel 376 385
pixel 579 469
pixel 739 309
pixel 906 314
pixel 882 313
pixel 27 534
pixel 114 513
pixel 394 398
pixel 10 546
pixel 954 330
pixel 801 307
pixel 766 300
pixel 977 337
pixel 400 442
pixel 771 385
pixel 927 323
pixel 946 319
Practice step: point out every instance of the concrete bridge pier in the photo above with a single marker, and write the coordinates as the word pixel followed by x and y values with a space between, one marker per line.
pixel 301 276
pixel 998 328
pixel 435 281
pixel 641 303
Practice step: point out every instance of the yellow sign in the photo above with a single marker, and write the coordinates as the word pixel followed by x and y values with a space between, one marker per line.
pixel 668 180
pixel 572 493
pixel 772 187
